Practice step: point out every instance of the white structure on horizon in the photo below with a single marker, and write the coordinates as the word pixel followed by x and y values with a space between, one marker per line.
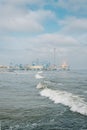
pixel 35 67
pixel 64 66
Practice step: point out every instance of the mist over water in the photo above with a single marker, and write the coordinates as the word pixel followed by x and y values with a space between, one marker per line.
pixel 57 101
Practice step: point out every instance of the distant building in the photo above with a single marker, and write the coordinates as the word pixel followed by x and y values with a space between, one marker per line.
pixel 35 67
pixel 52 67
pixel 64 66
pixel 3 68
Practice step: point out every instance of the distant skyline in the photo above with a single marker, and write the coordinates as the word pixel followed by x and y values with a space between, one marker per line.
pixel 31 29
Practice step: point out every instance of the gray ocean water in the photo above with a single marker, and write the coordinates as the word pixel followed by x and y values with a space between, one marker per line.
pixel 55 101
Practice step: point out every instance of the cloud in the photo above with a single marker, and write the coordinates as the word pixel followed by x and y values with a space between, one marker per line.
pixel 29 22
pixel 41 42
pixel 31 29
pixel 37 46
pixel 27 49
pixel 56 39
pixel 22 19
pixel 73 25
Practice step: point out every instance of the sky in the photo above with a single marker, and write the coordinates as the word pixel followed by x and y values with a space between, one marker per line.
pixel 31 29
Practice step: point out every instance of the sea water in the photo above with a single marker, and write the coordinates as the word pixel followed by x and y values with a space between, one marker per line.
pixel 50 100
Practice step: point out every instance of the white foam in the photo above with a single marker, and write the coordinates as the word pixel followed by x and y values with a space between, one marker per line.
pixel 40 72
pixel 38 76
pixel 40 86
pixel 74 102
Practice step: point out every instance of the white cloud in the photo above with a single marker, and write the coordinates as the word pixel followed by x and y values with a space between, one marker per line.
pixel 30 21
pixel 56 39
pixel 73 25
pixel 22 17
pixel 28 49
pixel 40 41
pixel 19 18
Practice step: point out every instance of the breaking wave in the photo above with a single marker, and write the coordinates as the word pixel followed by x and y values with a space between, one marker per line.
pixel 74 102
pixel 40 72
pixel 40 86
pixel 38 76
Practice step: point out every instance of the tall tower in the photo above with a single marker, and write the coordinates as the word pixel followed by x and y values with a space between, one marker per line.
pixel 54 57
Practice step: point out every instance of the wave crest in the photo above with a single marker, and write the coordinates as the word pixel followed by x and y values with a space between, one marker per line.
pixel 40 86
pixel 76 103
pixel 38 76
